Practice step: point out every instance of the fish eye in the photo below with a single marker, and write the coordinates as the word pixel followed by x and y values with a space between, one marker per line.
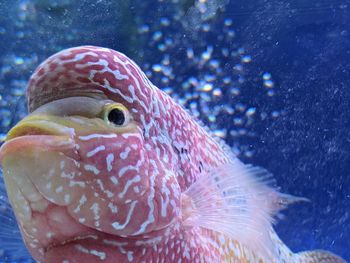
pixel 116 114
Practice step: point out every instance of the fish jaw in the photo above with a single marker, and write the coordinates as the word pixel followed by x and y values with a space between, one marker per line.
pixel 34 194
pixel 64 187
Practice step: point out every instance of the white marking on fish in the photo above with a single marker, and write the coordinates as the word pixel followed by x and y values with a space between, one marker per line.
pixel 74 183
pixel 91 168
pixel 116 225
pixel 130 256
pixel 101 255
pixel 95 135
pixel 127 185
pixel 123 170
pixel 81 202
pixel 66 198
pixel 59 189
pixel 109 161
pixel 123 155
pixel 96 150
pixel 113 208
pixel 150 200
pixel 114 180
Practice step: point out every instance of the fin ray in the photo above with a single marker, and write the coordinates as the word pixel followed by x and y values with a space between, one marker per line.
pixel 318 256
pixel 239 201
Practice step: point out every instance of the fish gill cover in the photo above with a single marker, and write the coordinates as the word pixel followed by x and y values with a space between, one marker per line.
pixel 269 77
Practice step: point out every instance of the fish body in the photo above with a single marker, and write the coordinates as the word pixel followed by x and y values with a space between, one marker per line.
pixel 108 168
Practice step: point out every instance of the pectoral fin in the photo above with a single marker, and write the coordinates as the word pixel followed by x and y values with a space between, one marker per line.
pixel 236 200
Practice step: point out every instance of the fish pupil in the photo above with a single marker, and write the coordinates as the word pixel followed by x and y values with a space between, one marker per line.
pixel 116 116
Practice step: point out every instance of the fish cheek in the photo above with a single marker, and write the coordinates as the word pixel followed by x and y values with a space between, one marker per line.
pixel 115 172
pixel 38 182
pixel 44 173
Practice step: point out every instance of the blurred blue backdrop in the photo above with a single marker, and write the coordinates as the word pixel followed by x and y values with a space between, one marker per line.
pixel 269 77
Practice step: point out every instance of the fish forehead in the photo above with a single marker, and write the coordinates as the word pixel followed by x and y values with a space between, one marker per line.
pixel 171 135
pixel 90 70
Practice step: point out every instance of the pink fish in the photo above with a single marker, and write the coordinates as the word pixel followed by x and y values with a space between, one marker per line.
pixel 108 168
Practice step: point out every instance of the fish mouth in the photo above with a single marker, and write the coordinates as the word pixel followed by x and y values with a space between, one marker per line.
pixel 38 132
pixel 40 125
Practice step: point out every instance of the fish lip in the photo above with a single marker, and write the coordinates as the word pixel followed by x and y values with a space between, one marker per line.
pixel 71 240
pixel 44 142
pixel 39 125
pixel 38 131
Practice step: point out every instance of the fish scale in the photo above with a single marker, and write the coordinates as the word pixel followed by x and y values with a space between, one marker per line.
pixel 141 192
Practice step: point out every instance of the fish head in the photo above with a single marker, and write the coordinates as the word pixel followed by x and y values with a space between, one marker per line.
pixel 92 159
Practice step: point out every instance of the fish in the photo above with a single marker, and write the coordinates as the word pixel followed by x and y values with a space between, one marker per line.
pixel 108 168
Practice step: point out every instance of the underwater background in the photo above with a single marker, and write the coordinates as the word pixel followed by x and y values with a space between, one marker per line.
pixel 269 77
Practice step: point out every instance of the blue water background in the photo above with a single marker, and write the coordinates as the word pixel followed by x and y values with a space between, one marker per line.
pixel 285 94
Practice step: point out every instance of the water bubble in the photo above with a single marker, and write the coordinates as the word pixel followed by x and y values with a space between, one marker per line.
pixel 266 76
pixel 229 109
pixel 210 77
pixel 231 33
pixel 275 114
pixel 238 67
pixel 205 28
pixel 226 80
pixel 157 68
pixel 214 63
pixel 206 55
pixel 240 107
pixel 246 59
pixel 248 153
pixel 240 50
pixel 148 74
pixel 237 121
pixel 20 34
pixel 212 118
pixel 225 52
pixel 157 35
pixel 168 90
pixel 168 42
pixel 167 71
pixel 263 115
pixel 235 91
pixel 250 112
pixel 144 29
pixel 165 80
pixel 164 21
pixel 19 60
pixel 161 47
pixel 2 137
pixel 193 81
pixel 193 105
pixel 228 22
pixel 207 87
pixel 217 92
pixel 221 133
pixel 268 83
pixel 189 53
pixel 270 93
